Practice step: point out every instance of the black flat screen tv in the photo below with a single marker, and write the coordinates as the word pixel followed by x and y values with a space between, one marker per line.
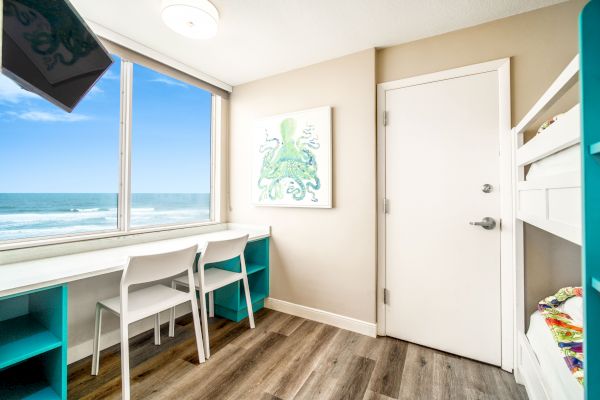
pixel 48 49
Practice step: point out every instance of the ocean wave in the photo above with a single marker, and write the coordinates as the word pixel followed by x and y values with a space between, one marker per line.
pixel 163 217
pixel 23 225
pixel 144 209
pixel 56 231
pixel 23 218
pixel 29 218
pixel 87 210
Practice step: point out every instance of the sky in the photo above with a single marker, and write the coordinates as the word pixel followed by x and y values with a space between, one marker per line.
pixel 44 149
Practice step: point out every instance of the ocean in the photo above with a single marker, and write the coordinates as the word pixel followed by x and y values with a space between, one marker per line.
pixel 27 215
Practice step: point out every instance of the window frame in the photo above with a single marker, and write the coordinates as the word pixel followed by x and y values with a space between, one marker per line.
pixel 124 195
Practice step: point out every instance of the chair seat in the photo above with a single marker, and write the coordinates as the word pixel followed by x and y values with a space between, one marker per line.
pixel 214 278
pixel 148 301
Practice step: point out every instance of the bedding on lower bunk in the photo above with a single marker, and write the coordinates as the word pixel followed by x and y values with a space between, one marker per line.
pixel 555 335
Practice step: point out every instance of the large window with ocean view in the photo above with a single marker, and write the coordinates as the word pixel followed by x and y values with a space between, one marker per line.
pixel 59 172
pixel 171 150
pixel 135 154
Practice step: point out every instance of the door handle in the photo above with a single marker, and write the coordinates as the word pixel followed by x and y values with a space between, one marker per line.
pixel 486 223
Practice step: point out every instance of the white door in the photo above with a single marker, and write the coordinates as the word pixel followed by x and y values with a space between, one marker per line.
pixel 443 274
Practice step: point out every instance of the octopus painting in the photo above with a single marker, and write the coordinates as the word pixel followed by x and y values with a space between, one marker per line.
pixel 289 164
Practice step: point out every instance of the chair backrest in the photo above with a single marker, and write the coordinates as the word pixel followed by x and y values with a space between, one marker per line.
pixel 154 267
pixel 222 250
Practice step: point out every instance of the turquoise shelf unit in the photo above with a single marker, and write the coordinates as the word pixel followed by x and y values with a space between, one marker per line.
pixel 230 301
pixel 589 42
pixel 33 344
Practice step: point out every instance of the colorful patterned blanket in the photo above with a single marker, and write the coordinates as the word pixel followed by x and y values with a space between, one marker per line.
pixel 567 335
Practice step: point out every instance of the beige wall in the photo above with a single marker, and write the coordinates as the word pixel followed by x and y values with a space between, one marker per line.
pixel 321 258
pixel 326 259
pixel 550 264
pixel 540 43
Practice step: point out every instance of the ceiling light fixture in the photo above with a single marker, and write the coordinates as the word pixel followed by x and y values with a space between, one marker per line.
pixel 196 19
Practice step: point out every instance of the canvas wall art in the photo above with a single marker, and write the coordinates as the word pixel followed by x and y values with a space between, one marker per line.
pixel 292 160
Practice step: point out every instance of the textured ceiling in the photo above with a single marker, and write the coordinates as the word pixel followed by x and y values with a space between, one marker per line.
pixel 258 38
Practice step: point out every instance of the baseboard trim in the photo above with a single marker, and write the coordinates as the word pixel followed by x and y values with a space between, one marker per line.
pixel 84 349
pixel 325 317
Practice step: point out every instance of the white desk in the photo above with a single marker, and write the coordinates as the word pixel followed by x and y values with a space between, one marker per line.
pixel 36 274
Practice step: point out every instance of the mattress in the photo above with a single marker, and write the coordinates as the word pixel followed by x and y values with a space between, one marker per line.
pixel 565 161
pixel 556 374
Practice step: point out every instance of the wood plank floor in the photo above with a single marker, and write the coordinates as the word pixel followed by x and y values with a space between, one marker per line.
pixel 288 357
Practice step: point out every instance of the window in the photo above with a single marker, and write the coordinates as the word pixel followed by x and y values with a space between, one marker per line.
pixel 62 175
pixel 171 150
pixel 59 172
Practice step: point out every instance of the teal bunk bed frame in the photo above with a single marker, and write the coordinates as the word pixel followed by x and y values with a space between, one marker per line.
pixel 589 42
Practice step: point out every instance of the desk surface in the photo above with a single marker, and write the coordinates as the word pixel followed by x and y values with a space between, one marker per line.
pixel 35 274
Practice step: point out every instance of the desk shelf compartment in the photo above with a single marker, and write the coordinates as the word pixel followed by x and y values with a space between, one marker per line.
pixel 230 301
pixel 33 344
pixel 32 378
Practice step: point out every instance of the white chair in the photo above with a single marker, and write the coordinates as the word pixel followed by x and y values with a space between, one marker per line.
pixel 206 281
pixel 143 303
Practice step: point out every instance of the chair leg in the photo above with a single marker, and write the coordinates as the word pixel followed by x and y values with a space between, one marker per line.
pixel 97 333
pixel 204 323
pixel 198 331
pixel 248 301
pixel 211 304
pixel 157 329
pixel 124 360
pixel 172 315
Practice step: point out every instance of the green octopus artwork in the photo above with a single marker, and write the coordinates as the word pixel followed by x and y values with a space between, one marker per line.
pixel 289 164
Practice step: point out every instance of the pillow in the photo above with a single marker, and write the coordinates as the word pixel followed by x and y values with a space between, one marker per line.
pixel 574 307
pixel 547 124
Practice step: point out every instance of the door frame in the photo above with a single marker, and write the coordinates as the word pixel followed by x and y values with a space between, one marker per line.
pixel 507 245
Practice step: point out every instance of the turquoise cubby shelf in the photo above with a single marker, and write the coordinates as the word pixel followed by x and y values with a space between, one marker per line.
pixel 33 344
pixel 589 38
pixel 230 301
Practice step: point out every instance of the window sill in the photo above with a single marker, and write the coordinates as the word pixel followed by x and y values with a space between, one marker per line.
pixel 59 246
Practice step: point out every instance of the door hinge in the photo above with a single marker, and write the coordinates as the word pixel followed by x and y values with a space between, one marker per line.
pixel 386 206
pixel 385 118
pixel 386 296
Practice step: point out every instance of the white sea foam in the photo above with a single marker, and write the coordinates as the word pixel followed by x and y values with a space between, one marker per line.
pixel 83 210
pixel 144 217
pixel 24 225
pixel 37 218
pixel 144 210
pixel 42 232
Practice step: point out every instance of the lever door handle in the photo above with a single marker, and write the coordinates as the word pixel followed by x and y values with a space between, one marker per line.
pixel 486 223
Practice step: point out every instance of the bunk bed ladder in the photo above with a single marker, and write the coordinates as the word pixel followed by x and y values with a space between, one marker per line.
pixel 589 38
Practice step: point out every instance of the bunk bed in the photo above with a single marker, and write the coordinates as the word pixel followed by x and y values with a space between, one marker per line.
pixel 549 170
pixel 548 196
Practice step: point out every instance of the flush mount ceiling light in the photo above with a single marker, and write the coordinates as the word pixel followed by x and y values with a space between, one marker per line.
pixel 196 19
